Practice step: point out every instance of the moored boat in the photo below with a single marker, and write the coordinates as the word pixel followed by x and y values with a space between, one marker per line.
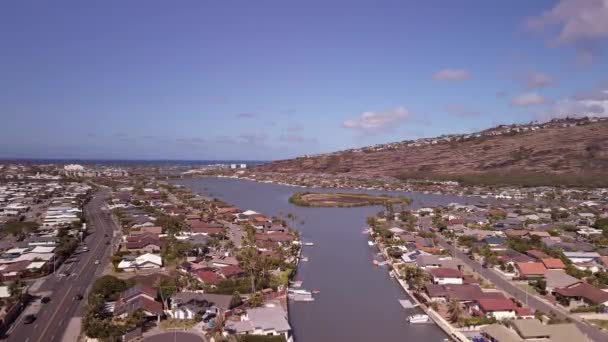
pixel 419 318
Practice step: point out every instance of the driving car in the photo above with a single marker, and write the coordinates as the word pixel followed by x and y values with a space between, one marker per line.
pixel 29 319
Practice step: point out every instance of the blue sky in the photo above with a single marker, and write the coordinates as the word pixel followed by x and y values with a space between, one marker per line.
pixel 277 79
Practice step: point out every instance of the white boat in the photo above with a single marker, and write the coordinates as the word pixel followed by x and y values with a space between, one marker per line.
pixel 370 243
pixel 309 243
pixel 305 259
pixel 420 318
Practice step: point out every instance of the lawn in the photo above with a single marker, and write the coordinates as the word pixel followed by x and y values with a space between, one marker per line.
pixel 601 323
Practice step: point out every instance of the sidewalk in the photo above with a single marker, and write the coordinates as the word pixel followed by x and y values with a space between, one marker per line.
pixel 72 332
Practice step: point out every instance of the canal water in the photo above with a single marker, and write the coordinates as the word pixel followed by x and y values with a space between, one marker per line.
pixel 357 301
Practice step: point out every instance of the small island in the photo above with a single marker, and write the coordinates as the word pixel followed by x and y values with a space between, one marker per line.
pixel 344 200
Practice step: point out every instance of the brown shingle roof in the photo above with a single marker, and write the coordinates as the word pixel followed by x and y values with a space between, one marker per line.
pixel 584 290
pixel 442 272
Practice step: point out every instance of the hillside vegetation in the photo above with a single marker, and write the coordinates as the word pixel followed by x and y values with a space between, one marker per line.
pixel 573 155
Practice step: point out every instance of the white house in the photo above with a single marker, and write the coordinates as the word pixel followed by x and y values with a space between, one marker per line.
pixel 499 308
pixel 444 276
pixel 581 257
pixel 144 261
pixel 267 320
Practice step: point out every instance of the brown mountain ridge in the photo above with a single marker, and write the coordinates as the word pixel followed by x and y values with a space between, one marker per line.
pixel 565 151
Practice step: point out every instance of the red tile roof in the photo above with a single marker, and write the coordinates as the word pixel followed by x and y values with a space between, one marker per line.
pixel 207 276
pixel 144 303
pixel 552 263
pixel 524 312
pixel 531 268
pixel 231 271
pixel 492 304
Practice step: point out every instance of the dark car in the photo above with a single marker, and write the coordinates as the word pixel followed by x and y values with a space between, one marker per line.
pixel 78 297
pixel 105 235
pixel 107 242
pixel 29 319
pixel 45 300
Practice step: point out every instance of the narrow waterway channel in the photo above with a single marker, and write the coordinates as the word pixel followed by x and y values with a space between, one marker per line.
pixel 358 301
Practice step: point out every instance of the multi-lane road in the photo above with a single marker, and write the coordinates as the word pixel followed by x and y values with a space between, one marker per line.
pixel 54 317
pixel 505 285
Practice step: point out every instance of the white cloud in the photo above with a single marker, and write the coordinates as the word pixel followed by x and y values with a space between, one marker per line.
pixel 376 121
pixel 451 75
pixel 528 99
pixel 538 80
pixel 581 104
pixel 581 23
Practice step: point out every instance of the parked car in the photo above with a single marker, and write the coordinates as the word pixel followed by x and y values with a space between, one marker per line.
pixel 45 300
pixel 78 297
pixel 29 319
pixel 96 262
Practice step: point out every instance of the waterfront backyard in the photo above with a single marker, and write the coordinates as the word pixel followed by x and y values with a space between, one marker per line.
pixel 357 301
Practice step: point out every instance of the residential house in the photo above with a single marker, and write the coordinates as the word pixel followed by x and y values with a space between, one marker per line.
pixel 139 297
pixel 522 330
pixel 558 279
pixel 553 263
pixel 442 275
pixel 581 294
pixel 581 257
pixel 144 261
pixel 530 270
pixel 461 293
pixel 429 261
pixel 144 243
pixel 499 308
pixel 186 305
pixel 267 320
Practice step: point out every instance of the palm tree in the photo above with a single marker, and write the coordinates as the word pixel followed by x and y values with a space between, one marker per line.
pixel 249 257
pixel 434 305
pixel 15 289
pixel 454 310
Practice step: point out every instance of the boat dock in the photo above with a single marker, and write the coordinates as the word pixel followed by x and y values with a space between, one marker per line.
pixel 300 295
pixel 407 304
